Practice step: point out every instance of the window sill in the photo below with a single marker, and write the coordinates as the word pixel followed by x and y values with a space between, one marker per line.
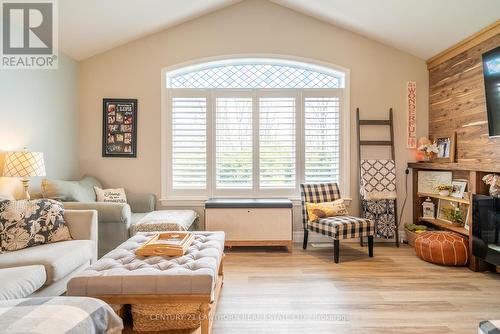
pixel 200 201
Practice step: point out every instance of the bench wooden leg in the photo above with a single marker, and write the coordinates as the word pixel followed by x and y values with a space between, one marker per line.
pixel 205 318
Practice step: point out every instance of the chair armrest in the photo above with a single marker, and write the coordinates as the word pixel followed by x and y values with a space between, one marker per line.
pixel 140 203
pixel 82 225
pixel 107 212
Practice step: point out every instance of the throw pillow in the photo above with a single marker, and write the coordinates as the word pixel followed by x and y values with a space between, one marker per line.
pixel 110 195
pixel 316 211
pixel 29 223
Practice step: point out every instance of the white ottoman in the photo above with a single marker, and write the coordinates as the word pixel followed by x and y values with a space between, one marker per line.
pixel 122 277
pixel 165 220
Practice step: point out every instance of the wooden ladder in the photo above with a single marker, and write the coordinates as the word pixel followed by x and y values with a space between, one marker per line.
pixel 390 124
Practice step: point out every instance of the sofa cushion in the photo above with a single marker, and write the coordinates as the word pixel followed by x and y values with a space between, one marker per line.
pixel 59 259
pixel 71 191
pixel 20 282
pixel 30 223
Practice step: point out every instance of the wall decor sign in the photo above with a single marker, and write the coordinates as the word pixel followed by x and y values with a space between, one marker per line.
pixel 411 106
pixel 119 131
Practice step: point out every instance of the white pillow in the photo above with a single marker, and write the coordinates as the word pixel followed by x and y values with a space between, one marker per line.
pixel 110 195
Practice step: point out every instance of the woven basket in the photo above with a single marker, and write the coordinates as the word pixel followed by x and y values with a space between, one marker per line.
pixel 162 317
pixel 410 237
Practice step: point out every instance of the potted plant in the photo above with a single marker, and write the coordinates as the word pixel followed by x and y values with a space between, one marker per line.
pixel 412 232
pixel 444 189
pixel 494 182
pixel 428 147
pixel 455 215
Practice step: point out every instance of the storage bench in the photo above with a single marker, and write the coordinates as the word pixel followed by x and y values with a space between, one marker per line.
pixel 251 222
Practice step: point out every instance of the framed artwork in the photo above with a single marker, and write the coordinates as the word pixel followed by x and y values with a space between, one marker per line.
pixel 119 130
pixel 429 180
pixel 459 187
pixel 445 209
pixel 446 148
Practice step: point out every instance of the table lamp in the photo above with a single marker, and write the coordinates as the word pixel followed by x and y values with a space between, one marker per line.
pixel 24 164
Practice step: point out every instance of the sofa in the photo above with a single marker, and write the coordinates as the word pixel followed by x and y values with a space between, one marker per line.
pixel 115 219
pixel 45 270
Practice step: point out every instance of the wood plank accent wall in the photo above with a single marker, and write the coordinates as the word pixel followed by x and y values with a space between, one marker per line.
pixel 457 103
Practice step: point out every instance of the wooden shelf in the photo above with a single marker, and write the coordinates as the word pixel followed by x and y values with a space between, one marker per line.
pixel 448 198
pixel 445 226
pixel 449 166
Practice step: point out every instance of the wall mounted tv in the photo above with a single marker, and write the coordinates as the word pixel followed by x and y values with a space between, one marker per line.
pixel 491 71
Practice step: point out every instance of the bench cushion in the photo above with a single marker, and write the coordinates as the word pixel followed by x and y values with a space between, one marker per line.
pixel 165 220
pixel 122 272
pixel 20 282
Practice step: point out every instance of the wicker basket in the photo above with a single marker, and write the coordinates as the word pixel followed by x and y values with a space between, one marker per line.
pixel 162 317
pixel 410 237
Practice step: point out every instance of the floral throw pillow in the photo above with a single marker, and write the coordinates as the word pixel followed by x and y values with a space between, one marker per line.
pixel 31 223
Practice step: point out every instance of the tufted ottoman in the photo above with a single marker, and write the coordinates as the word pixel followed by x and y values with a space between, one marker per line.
pixel 445 248
pixel 147 283
pixel 165 220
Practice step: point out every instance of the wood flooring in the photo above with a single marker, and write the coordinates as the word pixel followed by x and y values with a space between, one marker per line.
pixel 272 291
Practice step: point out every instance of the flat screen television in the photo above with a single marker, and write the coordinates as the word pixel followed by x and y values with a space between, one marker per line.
pixel 491 71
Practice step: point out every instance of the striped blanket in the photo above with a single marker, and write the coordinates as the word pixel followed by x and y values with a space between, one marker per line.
pixel 58 315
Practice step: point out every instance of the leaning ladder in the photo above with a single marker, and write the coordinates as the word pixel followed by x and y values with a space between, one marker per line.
pixel 390 124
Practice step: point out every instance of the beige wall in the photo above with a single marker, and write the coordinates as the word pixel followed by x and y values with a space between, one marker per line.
pixel 378 77
pixel 38 109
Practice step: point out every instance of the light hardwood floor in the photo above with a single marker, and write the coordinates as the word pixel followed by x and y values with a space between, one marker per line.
pixel 394 292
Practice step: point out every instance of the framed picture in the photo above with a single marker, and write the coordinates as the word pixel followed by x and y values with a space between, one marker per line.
pixel 445 208
pixel 429 180
pixel 119 129
pixel 446 148
pixel 459 187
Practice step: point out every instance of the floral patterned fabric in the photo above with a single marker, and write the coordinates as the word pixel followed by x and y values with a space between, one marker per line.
pixel 382 213
pixel 31 223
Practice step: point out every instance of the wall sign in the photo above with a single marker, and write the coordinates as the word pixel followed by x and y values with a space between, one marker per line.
pixel 411 106
pixel 119 131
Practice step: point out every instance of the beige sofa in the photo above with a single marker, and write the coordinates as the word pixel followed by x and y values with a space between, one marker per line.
pixel 115 219
pixel 45 270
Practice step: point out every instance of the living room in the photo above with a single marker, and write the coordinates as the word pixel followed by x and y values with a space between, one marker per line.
pixel 252 166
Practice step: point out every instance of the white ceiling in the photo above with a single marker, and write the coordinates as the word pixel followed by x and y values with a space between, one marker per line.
pixel 420 27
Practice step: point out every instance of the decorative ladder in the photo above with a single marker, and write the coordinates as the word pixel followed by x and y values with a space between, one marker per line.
pixel 390 124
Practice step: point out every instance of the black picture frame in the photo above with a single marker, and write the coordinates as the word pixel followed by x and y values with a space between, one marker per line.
pixel 119 128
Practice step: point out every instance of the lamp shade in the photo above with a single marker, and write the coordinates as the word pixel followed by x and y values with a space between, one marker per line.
pixel 24 164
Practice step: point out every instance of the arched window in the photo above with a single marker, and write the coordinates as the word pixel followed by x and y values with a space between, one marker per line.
pixel 253 127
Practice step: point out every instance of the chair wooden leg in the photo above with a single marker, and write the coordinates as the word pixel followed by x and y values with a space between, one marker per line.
pixel 306 235
pixel 361 241
pixel 336 250
pixel 370 246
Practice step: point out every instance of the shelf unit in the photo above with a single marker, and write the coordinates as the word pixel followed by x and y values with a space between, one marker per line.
pixel 473 173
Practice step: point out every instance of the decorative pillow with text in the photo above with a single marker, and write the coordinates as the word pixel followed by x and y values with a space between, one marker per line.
pixel 110 195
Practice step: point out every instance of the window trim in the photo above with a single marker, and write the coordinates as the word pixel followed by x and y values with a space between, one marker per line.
pixel 190 196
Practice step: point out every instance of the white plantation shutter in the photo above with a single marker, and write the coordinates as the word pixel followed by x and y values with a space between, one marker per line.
pixel 277 142
pixel 234 145
pixel 189 143
pixel 322 147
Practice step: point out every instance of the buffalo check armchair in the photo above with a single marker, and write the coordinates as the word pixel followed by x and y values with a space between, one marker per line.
pixel 338 227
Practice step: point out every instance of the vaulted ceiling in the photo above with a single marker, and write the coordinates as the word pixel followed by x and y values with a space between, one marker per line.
pixel 420 27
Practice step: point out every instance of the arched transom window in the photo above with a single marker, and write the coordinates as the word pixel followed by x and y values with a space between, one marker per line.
pixel 253 127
